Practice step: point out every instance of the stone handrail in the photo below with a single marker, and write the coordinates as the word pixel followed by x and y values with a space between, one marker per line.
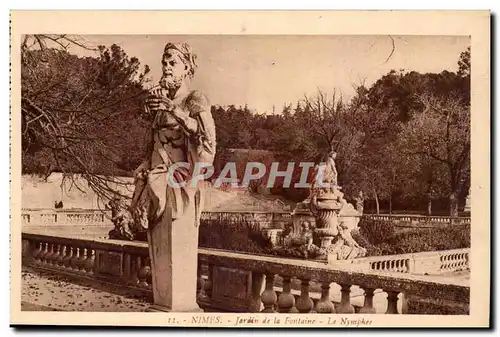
pixel 100 217
pixel 94 216
pixel 127 263
pixel 55 216
pixel 418 219
pixel 431 263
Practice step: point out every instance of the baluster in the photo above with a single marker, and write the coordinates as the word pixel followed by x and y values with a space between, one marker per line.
pixel 73 262
pixel 208 284
pixel 38 251
pixel 62 254
pixel 149 274
pixel 269 297
pixel 286 300
pixel 304 302
pixel 345 306
pixel 56 252
pixel 255 302
pixel 27 251
pixel 89 262
pixel 45 251
pixel 48 255
pixel 67 258
pixel 54 258
pixel 81 260
pixel 134 270
pixel 53 252
pixel 392 302
pixel 144 272
pixel 128 269
pixel 368 305
pixel 462 260
pixel 325 305
pixel 200 292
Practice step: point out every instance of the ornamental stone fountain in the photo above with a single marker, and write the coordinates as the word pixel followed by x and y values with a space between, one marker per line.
pixel 322 224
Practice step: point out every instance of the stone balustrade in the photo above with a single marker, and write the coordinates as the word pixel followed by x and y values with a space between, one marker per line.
pixel 105 260
pixel 46 217
pixel 430 263
pixel 419 219
pixel 260 219
pixel 235 282
pixel 43 217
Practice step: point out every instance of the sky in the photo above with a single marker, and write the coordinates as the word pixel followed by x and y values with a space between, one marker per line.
pixel 269 71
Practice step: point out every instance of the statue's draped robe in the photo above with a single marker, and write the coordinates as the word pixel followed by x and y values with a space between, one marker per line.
pixel 189 147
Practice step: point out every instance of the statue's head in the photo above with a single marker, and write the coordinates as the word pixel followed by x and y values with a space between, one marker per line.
pixel 178 63
pixel 306 225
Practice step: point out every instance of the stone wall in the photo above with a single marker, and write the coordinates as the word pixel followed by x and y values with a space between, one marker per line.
pixel 234 282
pixel 423 263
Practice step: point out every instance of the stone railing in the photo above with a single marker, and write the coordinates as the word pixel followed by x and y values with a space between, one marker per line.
pixel 260 219
pixel 419 220
pixel 430 263
pixel 106 260
pixel 99 217
pixel 40 217
pixel 235 282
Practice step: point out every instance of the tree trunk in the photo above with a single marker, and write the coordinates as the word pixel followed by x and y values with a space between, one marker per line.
pixel 390 205
pixel 453 204
pixel 429 206
pixel 376 201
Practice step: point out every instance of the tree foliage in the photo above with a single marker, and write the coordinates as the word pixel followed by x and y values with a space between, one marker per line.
pixel 81 114
pixel 404 141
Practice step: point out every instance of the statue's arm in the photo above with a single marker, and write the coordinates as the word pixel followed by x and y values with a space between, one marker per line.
pixel 199 125
pixel 189 124
pixel 197 106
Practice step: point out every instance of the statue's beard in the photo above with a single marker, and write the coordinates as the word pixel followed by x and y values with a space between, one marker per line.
pixel 171 82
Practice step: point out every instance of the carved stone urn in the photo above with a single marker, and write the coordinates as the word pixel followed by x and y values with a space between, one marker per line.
pixel 326 208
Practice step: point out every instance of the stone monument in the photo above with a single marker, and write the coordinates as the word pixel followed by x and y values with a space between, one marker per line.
pixel 360 202
pixel 467 206
pixel 169 183
pixel 122 221
pixel 335 218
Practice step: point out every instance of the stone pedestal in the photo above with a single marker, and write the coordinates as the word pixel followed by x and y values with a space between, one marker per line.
pixel 300 214
pixel 467 207
pixel 173 248
pixel 275 236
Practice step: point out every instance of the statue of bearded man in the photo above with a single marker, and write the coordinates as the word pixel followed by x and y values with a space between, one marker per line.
pixel 180 154
pixel 182 140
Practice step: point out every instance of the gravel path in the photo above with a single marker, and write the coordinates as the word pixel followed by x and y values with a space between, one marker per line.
pixel 42 291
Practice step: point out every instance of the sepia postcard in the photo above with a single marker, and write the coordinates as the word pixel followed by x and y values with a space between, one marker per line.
pixel 250 169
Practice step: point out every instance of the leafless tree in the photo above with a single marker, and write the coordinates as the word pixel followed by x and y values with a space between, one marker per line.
pixel 76 112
